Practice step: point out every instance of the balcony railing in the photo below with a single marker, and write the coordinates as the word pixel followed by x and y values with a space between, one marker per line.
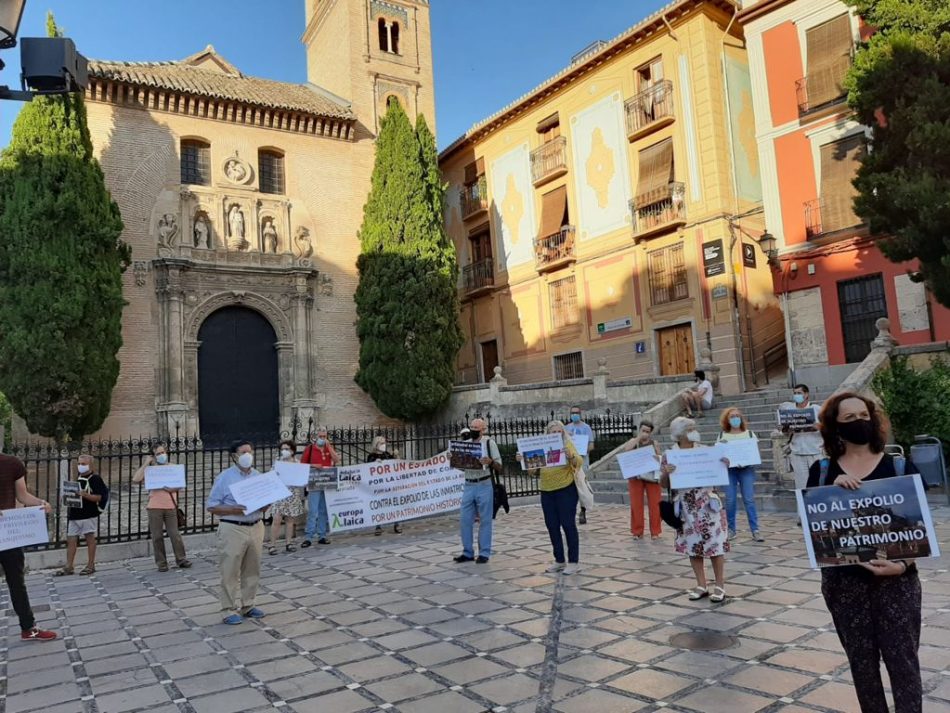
pixel 552 251
pixel 651 108
pixel 474 198
pixel 589 51
pixel 659 210
pixel 823 216
pixel 549 160
pixel 822 88
pixel 479 275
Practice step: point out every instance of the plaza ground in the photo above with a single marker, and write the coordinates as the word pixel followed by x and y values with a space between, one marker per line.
pixel 392 624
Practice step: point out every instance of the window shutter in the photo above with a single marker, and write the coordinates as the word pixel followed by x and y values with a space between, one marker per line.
pixel 553 209
pixel 656 173
pixel 839 164
pixel 829 57
pixel 659 278
pixel 471 172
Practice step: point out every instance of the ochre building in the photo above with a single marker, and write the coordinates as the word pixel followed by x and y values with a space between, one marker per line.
pixel 614 211
pixel 242 199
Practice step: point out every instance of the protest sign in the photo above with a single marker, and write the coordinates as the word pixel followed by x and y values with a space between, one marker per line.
pixel 741 452
pixel 292 474
pixel 321 478
pixel 638 462
pixel 395 491
pixel 259 491
pixel 797 418
pixel 20 527
pixel 465 455
pixel 70 494
pixel 542 451
pixel 164 476
pixel 581 442
pixel 697 468
pixel 347 478
pixel 884 519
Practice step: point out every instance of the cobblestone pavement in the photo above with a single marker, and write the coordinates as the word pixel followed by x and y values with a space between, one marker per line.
pixel 391 624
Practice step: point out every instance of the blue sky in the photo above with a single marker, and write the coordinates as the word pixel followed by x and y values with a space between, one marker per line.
pixel 486 53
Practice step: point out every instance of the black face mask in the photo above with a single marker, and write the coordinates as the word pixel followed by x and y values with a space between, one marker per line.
pixel 857 432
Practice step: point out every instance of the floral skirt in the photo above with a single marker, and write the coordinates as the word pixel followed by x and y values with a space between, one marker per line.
pixel 292 506
pixel 705 532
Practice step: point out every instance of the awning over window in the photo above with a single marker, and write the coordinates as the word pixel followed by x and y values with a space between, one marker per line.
pixel 553 211
pixel 656 173
pixel 475 169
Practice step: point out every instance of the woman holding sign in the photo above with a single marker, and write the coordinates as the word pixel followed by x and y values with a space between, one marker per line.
pixel 741 474
pixel 648 483
pixel 162 511
pixel 875 605
pixel 286 511
pixel 704 521
pixel 379 450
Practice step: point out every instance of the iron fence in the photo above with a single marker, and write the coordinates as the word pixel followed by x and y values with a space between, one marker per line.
pixel 116 461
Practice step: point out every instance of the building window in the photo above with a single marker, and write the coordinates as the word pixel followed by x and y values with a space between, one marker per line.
pixel 656 173
pixel 549 128
pixel 828 48
pixel 481 245
pixel 668 278
pixel 839 165
pixel 569 366
pixel 861 303
pixel 388 36
pixel 649 74
pixel 394 38
pixel 271 167
pixel 195 163
pixel 563 294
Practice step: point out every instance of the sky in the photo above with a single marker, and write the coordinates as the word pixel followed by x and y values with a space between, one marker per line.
pixel 486 53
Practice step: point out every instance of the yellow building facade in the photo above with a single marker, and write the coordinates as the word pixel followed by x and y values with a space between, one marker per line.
pixel 613 212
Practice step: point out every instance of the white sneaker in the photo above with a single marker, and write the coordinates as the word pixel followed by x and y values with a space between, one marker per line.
pixel 572 568
pixel 556 567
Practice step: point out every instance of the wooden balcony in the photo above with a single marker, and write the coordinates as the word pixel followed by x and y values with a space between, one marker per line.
pixel 474 199
pixel 839 217
pixel 555 251
pixel 650 109
pixel 659 211
pixel 549 161
pixel 479 277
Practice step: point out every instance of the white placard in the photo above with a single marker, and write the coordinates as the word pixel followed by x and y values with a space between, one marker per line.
pixel 640 461
pixel 293 474
pixel 259 491
pixel 741 452
pixel 20 527
pixel 697 468
pixel 581 442
pixel 544 451
pixel 164 476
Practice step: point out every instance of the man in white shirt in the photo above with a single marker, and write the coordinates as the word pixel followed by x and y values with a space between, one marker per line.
pixel 700 397
pixel 804 442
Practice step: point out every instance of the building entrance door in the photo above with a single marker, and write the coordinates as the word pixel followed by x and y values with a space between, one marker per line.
pixel 489 359
pixel 238 389
pixel 676 350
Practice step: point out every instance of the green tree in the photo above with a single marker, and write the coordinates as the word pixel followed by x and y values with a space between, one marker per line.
pixel 900 86
pixel 915 400
pixel 406 301
pixel 61 265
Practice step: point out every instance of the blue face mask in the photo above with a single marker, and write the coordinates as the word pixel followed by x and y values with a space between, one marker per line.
pixel 575 418
pixel 321 442
pixel 735 421
pixel 799 398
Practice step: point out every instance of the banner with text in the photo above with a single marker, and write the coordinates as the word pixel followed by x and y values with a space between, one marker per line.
pixel 394 491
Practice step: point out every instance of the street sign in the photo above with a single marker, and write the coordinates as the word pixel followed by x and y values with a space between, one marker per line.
pixel 614 325
pixel 748 255
pixel 714 259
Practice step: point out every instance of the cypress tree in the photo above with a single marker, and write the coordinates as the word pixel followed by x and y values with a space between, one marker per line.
pixel 61 265
pixel 406 300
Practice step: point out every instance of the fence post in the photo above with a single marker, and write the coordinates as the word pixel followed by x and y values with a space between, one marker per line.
pixel 600 383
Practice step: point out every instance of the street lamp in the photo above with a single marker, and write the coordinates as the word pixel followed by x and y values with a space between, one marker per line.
pixel 11 12
pixel 769 246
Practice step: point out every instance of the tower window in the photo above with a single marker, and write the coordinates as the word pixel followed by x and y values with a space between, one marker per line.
pixel 195 163
pixel 271 167
pixel 383 35
pixel 394 38
pixel 388 36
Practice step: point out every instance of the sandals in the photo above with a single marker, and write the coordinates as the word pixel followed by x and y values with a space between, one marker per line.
pixel 397 528
pixel 272 551
pixel 718 594
pixel 290 548
pixel 64 572
pixel 87 570
pixel 698 593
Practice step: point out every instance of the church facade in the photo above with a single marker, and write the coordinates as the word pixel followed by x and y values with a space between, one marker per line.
pixel 242 200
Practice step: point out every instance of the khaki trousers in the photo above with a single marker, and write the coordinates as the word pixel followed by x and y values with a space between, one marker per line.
pixel 800 466
pixel 240 549
pixel 160 522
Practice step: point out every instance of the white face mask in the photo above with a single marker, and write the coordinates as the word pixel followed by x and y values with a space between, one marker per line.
pixel 285 453
pixel 82 468
pixel 161 458
pixel 693 437
pixel 381 448
pixel 246 460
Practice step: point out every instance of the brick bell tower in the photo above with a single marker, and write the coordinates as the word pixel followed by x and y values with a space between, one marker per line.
pixel 369 52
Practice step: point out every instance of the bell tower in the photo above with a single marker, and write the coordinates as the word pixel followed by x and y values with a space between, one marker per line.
pixel 369 52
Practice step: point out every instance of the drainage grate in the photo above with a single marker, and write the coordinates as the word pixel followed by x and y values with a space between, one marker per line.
pixel 704 641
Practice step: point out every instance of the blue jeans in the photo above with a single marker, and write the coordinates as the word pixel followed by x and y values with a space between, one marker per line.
pixel 318 521
pixel 560 508
pixel 477 497
pixel 743 478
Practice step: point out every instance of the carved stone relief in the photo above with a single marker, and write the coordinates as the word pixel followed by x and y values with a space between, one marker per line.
pixel 237 170
pixel 140 270
pixel 236 228
pixel 167 230
pixel 303 248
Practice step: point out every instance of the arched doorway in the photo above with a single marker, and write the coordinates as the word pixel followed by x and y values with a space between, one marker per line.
pixel 238 388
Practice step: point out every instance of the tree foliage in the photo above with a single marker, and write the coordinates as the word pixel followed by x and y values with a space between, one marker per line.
pixel 406 301
pixel 900 86
pixel 915 400
pixel 61 264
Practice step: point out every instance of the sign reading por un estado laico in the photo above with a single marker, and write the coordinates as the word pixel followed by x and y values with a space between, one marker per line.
pixel 884 519
pixel 394 491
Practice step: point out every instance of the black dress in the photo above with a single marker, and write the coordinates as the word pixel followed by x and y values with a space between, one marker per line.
pixel 372 458
pixel 875 617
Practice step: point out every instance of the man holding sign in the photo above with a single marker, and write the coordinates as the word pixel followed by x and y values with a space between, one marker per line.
pixel 240 537
pixel 13 490
pixel 583 435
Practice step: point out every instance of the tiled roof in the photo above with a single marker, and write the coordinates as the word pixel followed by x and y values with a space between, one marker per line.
pixel 229 85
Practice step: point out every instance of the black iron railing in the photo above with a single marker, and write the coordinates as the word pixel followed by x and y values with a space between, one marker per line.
pixel 651 105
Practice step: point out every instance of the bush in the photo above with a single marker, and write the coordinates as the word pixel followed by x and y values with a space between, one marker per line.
pixel 915 401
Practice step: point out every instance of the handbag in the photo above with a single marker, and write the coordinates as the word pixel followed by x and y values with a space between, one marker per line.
pixel 668 512
pixel 179 513
pixel 584 492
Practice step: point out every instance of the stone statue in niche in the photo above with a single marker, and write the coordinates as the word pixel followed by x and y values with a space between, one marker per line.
pixel 302 243
pixel 236 238
pixel 202 232
pixel 269 236
pixel 167 228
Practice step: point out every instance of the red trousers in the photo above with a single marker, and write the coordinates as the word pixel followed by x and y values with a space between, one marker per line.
pixel 635 488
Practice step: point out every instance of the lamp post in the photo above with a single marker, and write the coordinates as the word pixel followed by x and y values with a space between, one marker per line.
pixel 769 246
pixel 11 12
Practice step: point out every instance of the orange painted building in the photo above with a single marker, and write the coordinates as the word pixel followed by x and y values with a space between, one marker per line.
pixel 832 279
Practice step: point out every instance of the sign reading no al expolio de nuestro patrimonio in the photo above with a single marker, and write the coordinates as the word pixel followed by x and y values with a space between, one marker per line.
pixel 884 519
pixel 394 491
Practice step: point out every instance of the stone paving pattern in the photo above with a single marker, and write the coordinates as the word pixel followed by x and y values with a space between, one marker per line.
pixel 391 624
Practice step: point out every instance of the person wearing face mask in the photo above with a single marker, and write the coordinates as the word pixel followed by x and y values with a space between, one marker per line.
pixel 162 514
pixel 286 511
pixel 379 450
pixel 478 498
pixel 84 521
pixel 648 483
pixel 578 427
pixel 319 453
pixel 704 521
pixel 240 538
pixel 876 605
pixel 741 477
pixel 804 442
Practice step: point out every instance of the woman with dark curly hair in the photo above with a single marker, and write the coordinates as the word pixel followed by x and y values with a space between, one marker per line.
pixel 875 605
